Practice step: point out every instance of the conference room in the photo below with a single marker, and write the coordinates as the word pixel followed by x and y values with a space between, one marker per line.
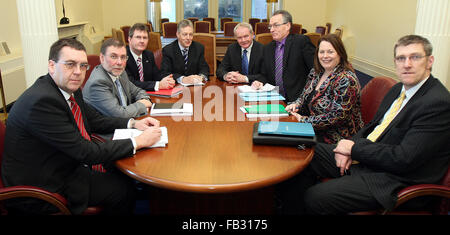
pixel 211 164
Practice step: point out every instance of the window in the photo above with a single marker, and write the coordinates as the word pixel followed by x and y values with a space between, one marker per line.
pixel 259 9
pixel 168 10
pixel 195 8
pixel 231 8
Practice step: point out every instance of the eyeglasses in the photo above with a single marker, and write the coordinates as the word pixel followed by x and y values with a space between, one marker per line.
pixel 115 57
pixel 70 65
pixel 414 58
pixel 275 26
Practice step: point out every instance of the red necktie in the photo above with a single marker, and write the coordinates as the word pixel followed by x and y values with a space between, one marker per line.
pixel 141 71
pixel 76 111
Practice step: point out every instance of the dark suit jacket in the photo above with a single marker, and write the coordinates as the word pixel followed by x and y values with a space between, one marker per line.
pixel 44 147
pixel 151 71
pixel 173 60
pixel 298 60
pixel 413 149
pixel 233 61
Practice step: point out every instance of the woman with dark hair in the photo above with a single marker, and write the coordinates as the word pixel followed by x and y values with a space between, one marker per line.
pixel 330 99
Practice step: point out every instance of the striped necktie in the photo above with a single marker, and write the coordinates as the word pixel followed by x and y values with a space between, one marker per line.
pixel 76 111
pixel 123 100
pixel 391 115
pixel 279 52
pixel 141 71
pixel 244 63
pixel 185 55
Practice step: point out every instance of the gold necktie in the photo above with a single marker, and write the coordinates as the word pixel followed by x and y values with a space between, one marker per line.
pixel 391 115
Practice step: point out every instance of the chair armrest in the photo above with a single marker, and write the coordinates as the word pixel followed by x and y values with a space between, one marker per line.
pixel 414 191
pixel 34 192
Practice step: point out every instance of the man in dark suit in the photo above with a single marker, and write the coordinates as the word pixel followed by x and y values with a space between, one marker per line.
pixel 243 59
pixel 184 58
pixel 287 60
pixel 141 67
pixel 405 144
pixel 48 144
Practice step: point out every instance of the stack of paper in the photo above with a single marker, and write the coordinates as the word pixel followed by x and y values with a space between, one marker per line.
pixel 172 109
pixel 166 92
pixel 264 110
pixel 261 96
pixel 120 134
pixel 247 88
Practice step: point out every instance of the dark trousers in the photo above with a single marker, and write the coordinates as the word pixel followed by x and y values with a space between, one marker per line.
pixel 307 194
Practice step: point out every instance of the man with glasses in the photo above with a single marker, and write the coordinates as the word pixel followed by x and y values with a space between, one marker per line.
pixel 141 67
pixel 243 59
pixel 406 143
pixel 48 141
pixel 287 60
pixel 109 90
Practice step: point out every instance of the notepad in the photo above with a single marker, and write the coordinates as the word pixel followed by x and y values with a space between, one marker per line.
pixel 120 134
pixel 247 88
pixel 172 109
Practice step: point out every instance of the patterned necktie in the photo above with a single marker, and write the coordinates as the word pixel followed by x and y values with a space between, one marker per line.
pixel 76 111
pixel 141 71
pixel 391 115
pixel 244 63
pixel 279 52
pixel 123 100
pixel 185 55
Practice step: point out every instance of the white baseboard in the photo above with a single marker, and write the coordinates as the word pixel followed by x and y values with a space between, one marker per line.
pixel 372 68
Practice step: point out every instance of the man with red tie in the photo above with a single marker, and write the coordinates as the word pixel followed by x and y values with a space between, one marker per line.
pixel 48 143
pixel 141 67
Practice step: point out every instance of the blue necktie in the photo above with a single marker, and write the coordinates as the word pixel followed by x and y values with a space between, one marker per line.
pixel 123 100
pixel 244 63
pixel 185 55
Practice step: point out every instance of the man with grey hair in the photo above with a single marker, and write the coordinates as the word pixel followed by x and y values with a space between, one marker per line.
pixel 243 59
pixel 184 58
pixel 405 144
pixel 287 60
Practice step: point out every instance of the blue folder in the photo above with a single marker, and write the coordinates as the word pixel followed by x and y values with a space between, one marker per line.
pixel 286 128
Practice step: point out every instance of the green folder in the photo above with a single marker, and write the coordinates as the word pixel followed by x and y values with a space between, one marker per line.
pixel 265 109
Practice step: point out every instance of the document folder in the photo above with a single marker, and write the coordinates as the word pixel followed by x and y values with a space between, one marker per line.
pixel 277 139
pixel 286 128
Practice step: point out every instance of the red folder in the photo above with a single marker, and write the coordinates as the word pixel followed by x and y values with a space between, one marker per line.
pixel 166 92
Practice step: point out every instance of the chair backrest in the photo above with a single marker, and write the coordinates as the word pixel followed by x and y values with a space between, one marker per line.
pixel 158 57
pixel 223 20
pixel 262 27
pixel 314 37
pixel 126 30
pixel 149 26
pixel 264 38
pixel 229 28
pixel 296 29
pixel 212 21
pixel 372 94
pixel 2 145
pixel 2 90
pixel 154 41
pixel 321 29
pixel 339 32
pixel 253 21
pixel 328 25
pixel 120 35
pixel 93 60
pixel 161 21
pixel 202 27
pixel 169 29
pixel 209 42
pixel 264 20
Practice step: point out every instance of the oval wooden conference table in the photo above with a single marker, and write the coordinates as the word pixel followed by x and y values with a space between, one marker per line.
pixel 212 151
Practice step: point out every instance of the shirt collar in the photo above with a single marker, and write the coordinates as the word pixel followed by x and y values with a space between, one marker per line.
pixel 411 91
pixel 135 56
pixel 248 49
pixel 65 94
pixel 181 47
pixel 282 42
